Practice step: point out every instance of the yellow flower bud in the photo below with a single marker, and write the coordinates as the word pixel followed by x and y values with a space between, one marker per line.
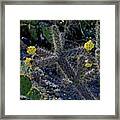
pixel 31 50
pixel 27 61
pixel 89 45
pixel 87 65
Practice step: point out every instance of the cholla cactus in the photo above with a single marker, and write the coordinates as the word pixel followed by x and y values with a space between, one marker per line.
pixel 77 66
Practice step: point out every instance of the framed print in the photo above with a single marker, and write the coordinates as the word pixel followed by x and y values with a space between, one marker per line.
pixel 60 59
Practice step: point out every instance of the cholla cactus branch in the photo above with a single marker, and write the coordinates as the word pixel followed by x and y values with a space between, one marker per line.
pixel 66 68
pixel 58 44
pixel 43 52
pixel 46 61
pixel 86 92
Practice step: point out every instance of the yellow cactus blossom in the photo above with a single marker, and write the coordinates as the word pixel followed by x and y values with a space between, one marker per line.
pixel 87 65
pixel 89 45
pixel 27 61
pixel 31 50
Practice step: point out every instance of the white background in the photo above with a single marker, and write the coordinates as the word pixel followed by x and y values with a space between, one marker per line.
pixel 106 15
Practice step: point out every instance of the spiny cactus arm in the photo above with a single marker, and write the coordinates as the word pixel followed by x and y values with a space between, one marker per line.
pixel 97 33
pixel 45 61
pixel 72 42
pixel 62 39
pixel 65 66
pixel 85 91
pixel 72 52
pixel 57 39
pixel 44 52
pixel 89 91
pixel 80 64
pixel 81 28
pixel 79 92
pixel 63 73
pixel 97 44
